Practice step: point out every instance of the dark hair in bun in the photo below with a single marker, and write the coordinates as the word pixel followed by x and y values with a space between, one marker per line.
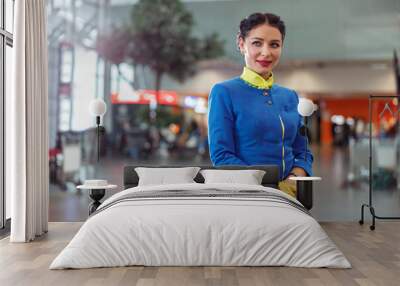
pixel 248 23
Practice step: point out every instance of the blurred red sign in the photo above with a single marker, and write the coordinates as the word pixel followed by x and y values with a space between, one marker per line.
pixel 146 97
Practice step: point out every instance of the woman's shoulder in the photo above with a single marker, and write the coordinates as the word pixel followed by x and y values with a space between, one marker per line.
pixel 285 91
pixel 228 85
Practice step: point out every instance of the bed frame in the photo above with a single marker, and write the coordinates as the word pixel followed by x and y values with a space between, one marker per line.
pixel 270 179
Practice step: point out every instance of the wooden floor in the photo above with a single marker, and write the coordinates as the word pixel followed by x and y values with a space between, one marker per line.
pixel 375 256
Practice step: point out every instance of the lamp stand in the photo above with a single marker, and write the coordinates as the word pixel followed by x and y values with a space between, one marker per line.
pixel 306 135
pixel 96 195
pixel 98 137
pixel 305 193
pixel 303 132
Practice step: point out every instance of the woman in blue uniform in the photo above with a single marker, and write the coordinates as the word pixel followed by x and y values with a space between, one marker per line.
pixel 252 120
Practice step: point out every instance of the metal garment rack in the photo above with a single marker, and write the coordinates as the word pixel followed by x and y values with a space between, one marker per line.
pixel 370 203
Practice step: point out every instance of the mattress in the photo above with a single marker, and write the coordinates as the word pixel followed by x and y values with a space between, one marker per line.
pixel 201 225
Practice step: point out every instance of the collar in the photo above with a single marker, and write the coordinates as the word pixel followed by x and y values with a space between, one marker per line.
pixel 254 79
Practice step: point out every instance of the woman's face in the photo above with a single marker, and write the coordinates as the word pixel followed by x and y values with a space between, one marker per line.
pixel 262 49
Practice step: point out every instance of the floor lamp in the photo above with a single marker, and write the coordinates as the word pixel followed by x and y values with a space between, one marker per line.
pixel 97 188
pixel 305 108
pixel 304 185
pixel 98 108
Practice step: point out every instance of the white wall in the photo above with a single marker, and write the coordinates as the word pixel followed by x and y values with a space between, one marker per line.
pixel 84 88
pixel 339 80
pixel 333 80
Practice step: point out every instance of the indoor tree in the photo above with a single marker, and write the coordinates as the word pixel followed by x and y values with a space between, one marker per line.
pixel 159 36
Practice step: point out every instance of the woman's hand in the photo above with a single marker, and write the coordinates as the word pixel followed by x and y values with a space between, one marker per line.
pixel 289 182
pixel 295 172
pixel 298 172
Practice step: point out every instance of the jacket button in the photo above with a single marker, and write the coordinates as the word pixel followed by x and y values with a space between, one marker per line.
pixel 266 93
pixel 269 102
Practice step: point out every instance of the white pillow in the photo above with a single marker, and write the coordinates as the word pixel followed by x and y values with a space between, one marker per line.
pixel 164 176
pixel 248 177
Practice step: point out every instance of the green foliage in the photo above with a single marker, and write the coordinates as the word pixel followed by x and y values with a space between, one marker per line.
pixel 114 47
pixel 165 116
pixel 211 47
pixel 162 39
pixel 164 18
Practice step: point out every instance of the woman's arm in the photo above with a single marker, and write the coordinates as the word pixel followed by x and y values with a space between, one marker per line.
pixel 221 128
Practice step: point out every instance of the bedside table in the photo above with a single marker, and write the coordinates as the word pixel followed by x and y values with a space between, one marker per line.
pixel 304 186
pixel 96 193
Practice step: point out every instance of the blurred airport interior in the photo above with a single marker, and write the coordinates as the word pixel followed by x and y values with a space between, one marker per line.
pixel 336 53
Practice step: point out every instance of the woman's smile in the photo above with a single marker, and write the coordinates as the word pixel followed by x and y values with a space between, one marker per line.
pixel 264 63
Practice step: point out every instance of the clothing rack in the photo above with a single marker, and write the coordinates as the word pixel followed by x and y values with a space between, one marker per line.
pixel 370 202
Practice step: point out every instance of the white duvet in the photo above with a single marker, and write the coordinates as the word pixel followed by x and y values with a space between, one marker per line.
pixel 200 231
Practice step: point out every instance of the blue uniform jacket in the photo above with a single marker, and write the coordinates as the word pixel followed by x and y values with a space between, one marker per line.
pixel 251 126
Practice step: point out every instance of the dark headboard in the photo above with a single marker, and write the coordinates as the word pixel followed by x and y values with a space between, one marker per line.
pixel 270 179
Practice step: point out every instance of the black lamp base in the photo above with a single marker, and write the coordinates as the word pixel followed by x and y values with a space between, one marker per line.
pixel 305 193
pixel 96 195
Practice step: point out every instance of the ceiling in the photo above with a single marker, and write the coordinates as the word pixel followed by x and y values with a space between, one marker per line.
pixel 317 30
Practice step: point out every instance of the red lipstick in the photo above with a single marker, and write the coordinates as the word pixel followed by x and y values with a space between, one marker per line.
pixel 265 64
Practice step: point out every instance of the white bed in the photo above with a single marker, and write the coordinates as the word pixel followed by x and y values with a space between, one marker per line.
pixel 182 230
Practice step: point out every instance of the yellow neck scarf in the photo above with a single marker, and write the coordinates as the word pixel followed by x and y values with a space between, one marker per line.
pixel 255 80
